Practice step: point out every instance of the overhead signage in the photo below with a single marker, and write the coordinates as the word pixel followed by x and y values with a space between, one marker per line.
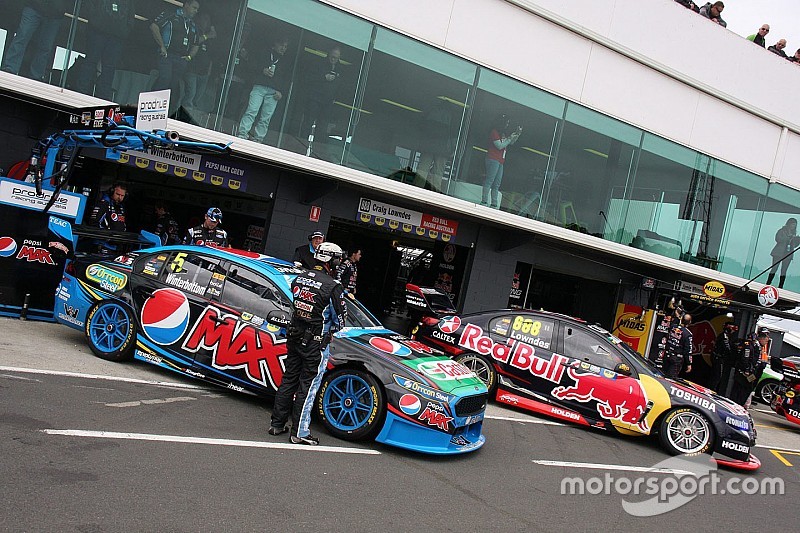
pixel 90 118
pixel 169 157
pixel 20 194
pixel 691 288
pixel 191 167
pixel 152 111
pixel 768 296
pixel 714 289
pixel 406 220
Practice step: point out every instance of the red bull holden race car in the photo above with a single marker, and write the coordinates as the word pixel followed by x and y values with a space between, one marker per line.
pixel 216 315
pixel 564 368
pixel 786 401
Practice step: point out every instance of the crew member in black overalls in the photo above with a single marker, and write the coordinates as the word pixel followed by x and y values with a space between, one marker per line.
pixel 208 233
pixel 109 214
pixel 724 353
pixel 319 311
pixel 678 353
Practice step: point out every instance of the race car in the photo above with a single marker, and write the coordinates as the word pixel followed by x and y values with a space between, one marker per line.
pixel 216 315
pixel 786 400
pixel 562 367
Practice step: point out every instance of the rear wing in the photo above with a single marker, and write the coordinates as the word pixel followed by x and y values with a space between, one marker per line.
pixel 428 301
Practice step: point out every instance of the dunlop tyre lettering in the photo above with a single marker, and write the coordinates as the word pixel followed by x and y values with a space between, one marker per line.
pixel 685 431
pixel 482 367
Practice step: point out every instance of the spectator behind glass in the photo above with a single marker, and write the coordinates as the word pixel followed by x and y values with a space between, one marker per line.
pixel 713 12
pixel 499 141
pixel 689 4
pixel 175 34
pixel 778 47
pixel 110 24
pixel 40 21
pixel 796 57
pixel 759 36
pixel 270 78
pixel 199 68
pixel 323 82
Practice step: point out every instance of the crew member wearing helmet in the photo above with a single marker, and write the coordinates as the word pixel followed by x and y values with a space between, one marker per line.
pixel 208 233
pixel 319 311
pixel 304 254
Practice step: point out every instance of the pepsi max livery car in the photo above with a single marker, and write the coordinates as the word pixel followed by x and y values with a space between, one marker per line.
pixel 562 367
pixel 216 315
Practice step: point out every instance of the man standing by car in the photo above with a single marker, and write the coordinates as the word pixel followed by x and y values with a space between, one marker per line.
pixel 304 254
pixel 679 347
pixel 319 311
pixel 109 214
pixel 208 233
pixel 348 272
pixel 723 352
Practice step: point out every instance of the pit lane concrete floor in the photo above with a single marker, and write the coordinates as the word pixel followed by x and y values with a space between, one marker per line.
pixel 115 448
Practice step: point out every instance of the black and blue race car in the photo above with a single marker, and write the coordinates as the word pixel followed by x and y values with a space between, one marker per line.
pixel 216 314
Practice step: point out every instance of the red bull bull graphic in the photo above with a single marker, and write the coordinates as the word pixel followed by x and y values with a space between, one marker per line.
pixel 515 353
pixel 618 397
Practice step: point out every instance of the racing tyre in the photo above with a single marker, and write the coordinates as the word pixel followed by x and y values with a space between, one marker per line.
pixel 766 390
pixel 482 367
pixel 351 404
pixel 111 330
pixel 686 432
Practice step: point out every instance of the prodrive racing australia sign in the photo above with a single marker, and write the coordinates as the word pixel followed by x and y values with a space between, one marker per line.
pixel 151 113
pixel 20 194
pixel 406 220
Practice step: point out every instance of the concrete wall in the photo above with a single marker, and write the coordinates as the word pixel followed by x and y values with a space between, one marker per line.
pixel 507 36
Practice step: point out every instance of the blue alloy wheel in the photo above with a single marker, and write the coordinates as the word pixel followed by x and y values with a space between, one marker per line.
pixel 351 404
pixel 110 330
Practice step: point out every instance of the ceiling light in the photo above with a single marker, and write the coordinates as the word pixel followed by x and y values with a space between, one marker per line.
pixel 401 106
pixel 535 151
pixel 478 148
pixel 595 152
pixel 337 102
pixel 452 101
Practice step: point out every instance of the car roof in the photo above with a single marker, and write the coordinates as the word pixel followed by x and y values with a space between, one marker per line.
pixel 550 314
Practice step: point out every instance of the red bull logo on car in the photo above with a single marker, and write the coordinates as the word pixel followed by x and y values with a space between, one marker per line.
pixel 515 353
pixel 618 397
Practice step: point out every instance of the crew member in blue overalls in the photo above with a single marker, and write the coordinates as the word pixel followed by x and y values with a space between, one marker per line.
pixel 109 214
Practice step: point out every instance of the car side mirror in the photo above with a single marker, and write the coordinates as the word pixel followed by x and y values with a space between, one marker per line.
pixel 280 318
pixel 622 368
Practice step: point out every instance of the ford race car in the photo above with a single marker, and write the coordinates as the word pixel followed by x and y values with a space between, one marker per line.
pixel 562 367
pixel 203 312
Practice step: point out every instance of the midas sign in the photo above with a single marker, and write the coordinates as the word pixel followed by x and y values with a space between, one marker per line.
pixel 630 325
pixel 714 289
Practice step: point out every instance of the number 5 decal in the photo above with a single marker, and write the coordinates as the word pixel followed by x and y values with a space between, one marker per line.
pixel 177 263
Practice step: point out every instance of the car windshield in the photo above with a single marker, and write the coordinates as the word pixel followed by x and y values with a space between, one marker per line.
pixel 358 316
pixel 635 357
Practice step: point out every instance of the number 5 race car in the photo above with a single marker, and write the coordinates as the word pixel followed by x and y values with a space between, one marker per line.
pixel 215 315
pixel 562 367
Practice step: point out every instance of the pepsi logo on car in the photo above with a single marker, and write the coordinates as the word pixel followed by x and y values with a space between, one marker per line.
pixel 389 346
pixel 409 404
pixel 7 246
pixel 165 316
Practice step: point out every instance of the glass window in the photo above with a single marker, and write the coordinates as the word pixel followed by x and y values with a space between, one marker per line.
pixel 593 172
pixel 150 265
pixel 316 75
pixel 777 238
pixel 510 146
pixel 358 316
pixel 249 292
pixel 584 346
pixel 406 125
pixel 192 274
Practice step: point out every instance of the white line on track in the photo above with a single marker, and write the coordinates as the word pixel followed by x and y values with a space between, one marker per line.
pixel 525 420
pixel 204 440
pixel 95 376
pixel 778 448
pixel 599 466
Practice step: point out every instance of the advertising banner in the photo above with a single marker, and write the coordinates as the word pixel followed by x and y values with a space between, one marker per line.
pixel 633 326
pixel 406 220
